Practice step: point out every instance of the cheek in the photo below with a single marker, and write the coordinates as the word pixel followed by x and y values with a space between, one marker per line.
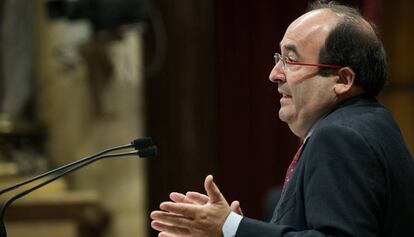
pixel 301 95
pixel 305 88
pixel 307 96
pixel 319 95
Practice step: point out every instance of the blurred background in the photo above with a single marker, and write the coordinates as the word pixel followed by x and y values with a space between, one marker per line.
pixel 77 77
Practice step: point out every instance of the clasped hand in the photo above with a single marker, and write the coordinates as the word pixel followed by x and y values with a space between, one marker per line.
pixel 194 214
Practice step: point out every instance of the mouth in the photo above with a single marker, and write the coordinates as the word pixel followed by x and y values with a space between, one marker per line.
pixel 284 94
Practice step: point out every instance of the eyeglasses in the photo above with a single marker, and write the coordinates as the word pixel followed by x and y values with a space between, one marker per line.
pixel 286 61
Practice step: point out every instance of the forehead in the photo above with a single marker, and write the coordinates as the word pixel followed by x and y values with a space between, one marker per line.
pixel 307 34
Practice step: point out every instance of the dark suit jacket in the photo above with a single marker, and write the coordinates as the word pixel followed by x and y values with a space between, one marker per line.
pixel 355 177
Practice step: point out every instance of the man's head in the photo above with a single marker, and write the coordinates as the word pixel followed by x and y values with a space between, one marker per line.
pixel 328 54
pixel 354 43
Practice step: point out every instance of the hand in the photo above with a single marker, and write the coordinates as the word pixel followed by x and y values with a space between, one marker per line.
pixel 189 197
pixel 197 215
pixel 201 199
pixel 235 207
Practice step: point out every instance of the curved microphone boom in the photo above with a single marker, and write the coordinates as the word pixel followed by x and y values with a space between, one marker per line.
pixel 137 144
pixel 143 148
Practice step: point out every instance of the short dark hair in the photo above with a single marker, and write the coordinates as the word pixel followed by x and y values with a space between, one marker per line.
pixel 349 44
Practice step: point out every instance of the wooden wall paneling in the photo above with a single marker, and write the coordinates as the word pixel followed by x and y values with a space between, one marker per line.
pixel 181 101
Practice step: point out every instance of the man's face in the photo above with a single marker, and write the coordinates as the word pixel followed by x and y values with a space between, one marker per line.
pixel 306 96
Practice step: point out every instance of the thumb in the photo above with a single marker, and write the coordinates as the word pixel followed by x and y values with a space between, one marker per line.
pixel 212 190
pixel 235 207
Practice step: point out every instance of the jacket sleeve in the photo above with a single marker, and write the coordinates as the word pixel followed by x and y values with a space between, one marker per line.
pixel 343 189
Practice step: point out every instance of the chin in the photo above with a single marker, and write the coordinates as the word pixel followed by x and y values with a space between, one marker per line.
pixel 283 116
pixel 287 115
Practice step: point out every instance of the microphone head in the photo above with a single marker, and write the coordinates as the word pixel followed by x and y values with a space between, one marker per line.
pixel 148 152
pixel 142 143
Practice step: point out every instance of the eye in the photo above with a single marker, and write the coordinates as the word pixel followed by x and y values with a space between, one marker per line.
pixel 291 59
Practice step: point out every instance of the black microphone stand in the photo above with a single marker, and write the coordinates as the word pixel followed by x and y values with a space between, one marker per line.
pixel 137 144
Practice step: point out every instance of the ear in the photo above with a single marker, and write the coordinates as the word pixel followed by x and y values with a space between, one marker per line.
pixel 345 82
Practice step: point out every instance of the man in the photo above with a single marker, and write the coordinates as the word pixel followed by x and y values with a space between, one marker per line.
pixel 353 175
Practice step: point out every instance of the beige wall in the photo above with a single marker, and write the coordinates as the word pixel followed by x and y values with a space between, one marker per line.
pixel 396 20
pixel 67 104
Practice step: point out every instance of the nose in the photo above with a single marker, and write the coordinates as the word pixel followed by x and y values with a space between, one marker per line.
pixel 277 74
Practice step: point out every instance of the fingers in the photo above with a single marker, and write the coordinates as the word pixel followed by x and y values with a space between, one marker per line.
pixel 168 230
pixel 179 197
pixel 189 197
pixel 185 209
pixel 212 190
pixel 235 207
pixel 171 219
pixel 165 234
pixel 193 213
pixel 197 197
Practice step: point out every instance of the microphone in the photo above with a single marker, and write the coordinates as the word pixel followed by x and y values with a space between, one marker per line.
pixel 143 148
pixel 138 144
